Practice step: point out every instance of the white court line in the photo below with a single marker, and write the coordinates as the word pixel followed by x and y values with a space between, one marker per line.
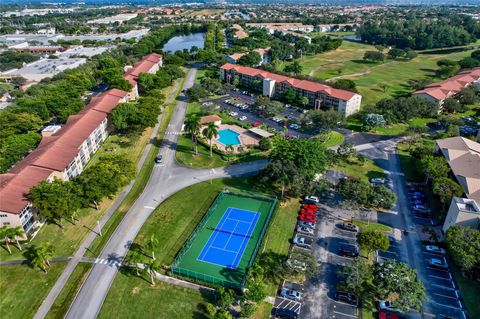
pixel 216 234
pixel 248 232
pixel 230 251
pixel 344 314
pixel 231 234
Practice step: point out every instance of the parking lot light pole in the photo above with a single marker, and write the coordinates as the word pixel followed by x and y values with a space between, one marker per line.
pixel 99 229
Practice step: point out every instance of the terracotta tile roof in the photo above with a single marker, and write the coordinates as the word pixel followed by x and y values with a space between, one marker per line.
pixel 444 89
pixel 142 66
pixel 296 83
pixel 463 156
pixel 209 119
pixel 54 152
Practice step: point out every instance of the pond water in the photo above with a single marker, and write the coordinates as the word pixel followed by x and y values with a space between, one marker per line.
pixel 185 42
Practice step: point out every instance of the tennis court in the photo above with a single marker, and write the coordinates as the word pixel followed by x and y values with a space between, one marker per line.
pixel 225 242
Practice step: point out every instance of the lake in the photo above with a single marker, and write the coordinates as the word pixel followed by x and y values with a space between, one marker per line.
pixel 185 42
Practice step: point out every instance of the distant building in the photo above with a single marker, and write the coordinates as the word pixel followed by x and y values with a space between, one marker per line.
pixel 334 27
pixel 274 85
pixel 439 91
pixel 148 64
pixel 240 33
pixel 215 119
pixel 62 153
pixel 119 18
pixel 233 58
pixel 463 212
pixel 280 26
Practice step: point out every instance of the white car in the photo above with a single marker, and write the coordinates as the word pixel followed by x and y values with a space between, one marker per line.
pixel 242 118
pixel 305 230
pixel 387 305
pixel 312 199
pixel 378 181
pixel 306 224
pixel 435 249
pixel 291 294
pixel 233 113
pixel 303 241
pixel 437 263
pixel 297 264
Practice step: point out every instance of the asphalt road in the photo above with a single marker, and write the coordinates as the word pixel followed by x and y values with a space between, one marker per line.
pixel 166 179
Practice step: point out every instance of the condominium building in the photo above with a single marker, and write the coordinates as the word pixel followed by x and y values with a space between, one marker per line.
pixel 274 85
pixel 148 64
pixel 63 155
pixel 439 91
pixel 463 212
pixel 233 58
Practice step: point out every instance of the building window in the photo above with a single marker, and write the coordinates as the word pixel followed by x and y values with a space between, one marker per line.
pixel 6 223
pixel 3 215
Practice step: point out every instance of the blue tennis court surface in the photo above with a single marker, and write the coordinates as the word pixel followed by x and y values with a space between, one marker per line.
pixel 229 238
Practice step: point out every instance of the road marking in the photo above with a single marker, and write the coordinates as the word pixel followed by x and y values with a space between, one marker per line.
pixel 148 207
pixel 344 314
pixel 445 296
pixel 446 287
pixel 443 278
pixel 429 314
pixel 448 306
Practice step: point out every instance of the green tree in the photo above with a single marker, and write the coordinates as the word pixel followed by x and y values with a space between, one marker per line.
pixel 445 188
pixel 265 144
pixel 295 68
pixel 152 244
pixel 5 232
pixel 210 132
pixel 192 127
pixel 380 196
pixel 250 59
pixel 16 232
pixel 152 267
pixel 451 105
pixel 398 283
pixel 225 297
pixel 434 167
pixel 374 56
pixel 40 256
pixel 463 246
pixel 373 240
pixel 134 259
pixel 357 277
pixel 396 53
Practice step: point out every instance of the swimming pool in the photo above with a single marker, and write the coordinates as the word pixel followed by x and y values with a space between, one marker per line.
pixel 228 137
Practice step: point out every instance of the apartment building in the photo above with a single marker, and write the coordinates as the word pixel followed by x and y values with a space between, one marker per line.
pixel 148 64
pixel 274 85
pixel 233 58
pixel 439 91
pixel 463 212
pixel 63 154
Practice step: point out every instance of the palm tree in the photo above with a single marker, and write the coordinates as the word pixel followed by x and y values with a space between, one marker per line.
pixel 5 232
pixel 135 258
pixel 16 232
pixel 151 268
pixel 152 243
pixel 210 132
pixel 192 127
pixel 45 251
pixel 38 261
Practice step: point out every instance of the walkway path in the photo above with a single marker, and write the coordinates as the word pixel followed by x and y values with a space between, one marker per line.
pixel 62 280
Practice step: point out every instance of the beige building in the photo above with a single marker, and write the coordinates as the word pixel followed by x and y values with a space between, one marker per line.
pixel 62 154
pixel 463 212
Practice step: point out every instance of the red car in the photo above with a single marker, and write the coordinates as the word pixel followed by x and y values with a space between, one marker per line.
pixel 310 206
pixel 305 212
pixel 383 314
pixel 307 218
pixel 256 124
pixel 309 209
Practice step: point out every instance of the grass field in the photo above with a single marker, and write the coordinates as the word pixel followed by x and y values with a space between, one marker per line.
pixel 62 303
pixel 470 291
pixel 23 289
pixel 375 80
pixel 365 226
pixel 172 223
pixel 132 297
pixel 364 171
pixel 248 205
pixel 334 139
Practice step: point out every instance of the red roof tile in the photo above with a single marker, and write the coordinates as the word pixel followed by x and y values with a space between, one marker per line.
pixel 296 83
pixel 142 66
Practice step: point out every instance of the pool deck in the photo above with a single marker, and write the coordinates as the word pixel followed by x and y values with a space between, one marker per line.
pixel 246 138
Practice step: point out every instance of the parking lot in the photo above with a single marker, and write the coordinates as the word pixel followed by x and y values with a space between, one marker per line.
pixel 279 122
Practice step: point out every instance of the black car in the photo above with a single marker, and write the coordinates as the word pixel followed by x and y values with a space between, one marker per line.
pixel 348 250
pixel 158 159
pixel 345 297
pixel 284 313
pixel 349 226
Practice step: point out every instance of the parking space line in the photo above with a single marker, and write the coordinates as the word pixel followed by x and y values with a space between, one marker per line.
pixel 344 314
pixel 448 306
pixel 446 287
pixel 439 277
pixel 445 296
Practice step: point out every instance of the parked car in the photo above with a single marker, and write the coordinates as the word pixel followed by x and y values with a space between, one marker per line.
pixel 307 224
pixel 385 314
pixel 256 124
pixel 291 294
pixel 387 305
pixel 349 226
pixel 296 264
pixel 308 218
pixel 233 113
pixel 435 249
pixel 159 159
pixel 421 208
pixel 312 199
pixel 377 181
pixel 284 313
pixel 438 263
pixel 345 297
pixel 348 250
pixel 304 230
pixel 242 118
pixel 304 242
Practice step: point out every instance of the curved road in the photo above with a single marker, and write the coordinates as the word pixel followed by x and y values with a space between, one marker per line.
pixel 166 179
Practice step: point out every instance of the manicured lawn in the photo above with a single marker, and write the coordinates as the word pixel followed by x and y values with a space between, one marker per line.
pixel 365 226
pixel 69 291
pixel 470 290
pixel 133 297
pixel 393 129
pixel 264 311
pixel 409 164
pixel 334 139
pixel 185 156
pixel 23 289
pixel 365 171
